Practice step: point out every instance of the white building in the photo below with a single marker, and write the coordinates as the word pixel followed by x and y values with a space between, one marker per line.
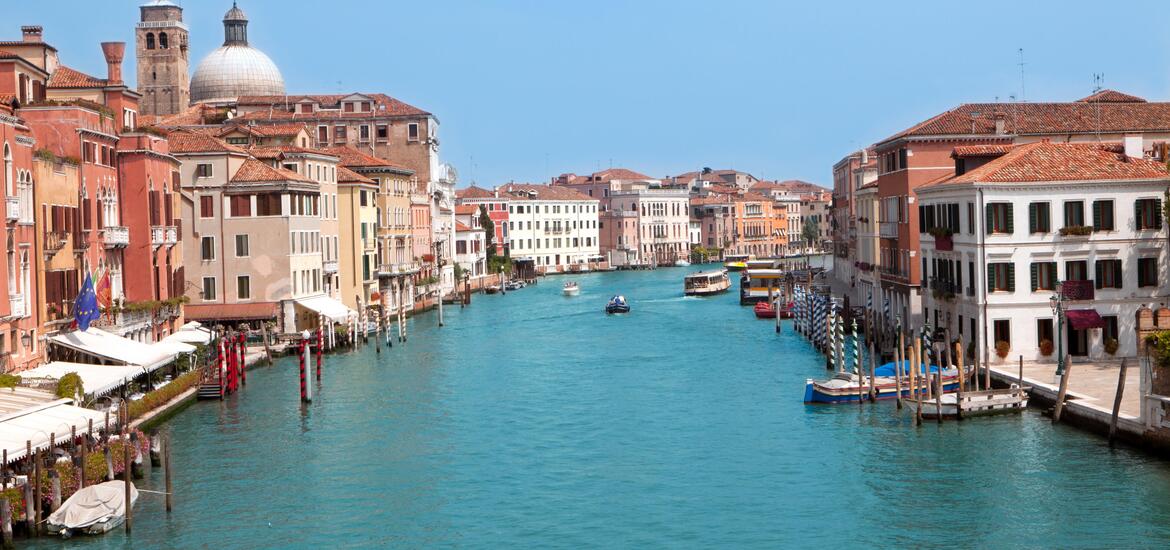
pixel 1001 235
pixel 554 226
pixel 470 251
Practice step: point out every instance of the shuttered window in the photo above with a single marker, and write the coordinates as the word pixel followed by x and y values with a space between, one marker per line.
pixel 1103 215
pixel 999 218
pixel 1039 218
pixel 1076 270
pixel 1147 272
pixel 206 206
pixel 1001 277
pixel 1043 276
pixel 1074 213
pixel 1147 214
pixel 1108 274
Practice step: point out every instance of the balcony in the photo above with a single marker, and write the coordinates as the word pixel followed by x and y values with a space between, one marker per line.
pixel 888 230
pixel 944 243
pixel 172 235
pixel 398 269
pixel 163 235
pixel 116 236
pixel 944 290
pixel 12 208
pixel 329 267
pixel 55 241
pixel 16 305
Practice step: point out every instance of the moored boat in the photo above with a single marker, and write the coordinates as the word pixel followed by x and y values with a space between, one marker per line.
pixel 491 289
pixel 785 311
pixel 706 283
pixel 736 262
pixel 681 263
pixel 617 304
pixel 764 310
pixel 843 387
pixel 571 288
pixel 92 510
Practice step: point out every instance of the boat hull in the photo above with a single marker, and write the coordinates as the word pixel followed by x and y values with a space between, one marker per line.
pixel 705 292
pixel 571 291
pixel 817 393
pixel 617 309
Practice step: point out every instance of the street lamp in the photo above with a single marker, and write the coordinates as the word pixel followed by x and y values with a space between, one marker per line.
pixel 1057 303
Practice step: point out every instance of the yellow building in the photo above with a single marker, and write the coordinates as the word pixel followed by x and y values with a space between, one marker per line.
pixel 358 208
pixel 59 247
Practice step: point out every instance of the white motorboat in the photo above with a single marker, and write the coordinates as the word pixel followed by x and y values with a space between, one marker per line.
pixel 571 288
pixel 93 510
pixel 681 263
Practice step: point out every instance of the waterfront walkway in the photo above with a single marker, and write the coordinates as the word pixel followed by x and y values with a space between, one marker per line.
pixel 1092 384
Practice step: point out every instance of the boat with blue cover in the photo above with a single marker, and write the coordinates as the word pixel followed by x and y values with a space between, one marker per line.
pixel 617 304
pixel 843 387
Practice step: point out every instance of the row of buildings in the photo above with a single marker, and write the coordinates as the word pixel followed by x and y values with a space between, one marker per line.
pixel 215 197
pixel 621 218
pixel 1027 229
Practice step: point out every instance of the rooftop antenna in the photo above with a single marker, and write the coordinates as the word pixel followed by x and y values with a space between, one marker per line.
pixel 1023 96
pixel 1098 82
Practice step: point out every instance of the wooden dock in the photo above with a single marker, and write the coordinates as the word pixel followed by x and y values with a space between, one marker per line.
pixel 979 403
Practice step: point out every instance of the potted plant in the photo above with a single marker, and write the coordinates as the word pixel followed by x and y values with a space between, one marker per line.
pixel 1002 348
pixel 1076 230
pixel 1046 347
pixel 1111 345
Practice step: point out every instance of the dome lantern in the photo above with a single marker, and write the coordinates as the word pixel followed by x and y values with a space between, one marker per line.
pixel 235 27
pixel 236 68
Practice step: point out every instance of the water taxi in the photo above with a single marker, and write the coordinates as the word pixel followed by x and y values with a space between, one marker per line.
pixel 760 284
pixel 617 304
pixel 737 262
pixel 706 283
pixel 571 288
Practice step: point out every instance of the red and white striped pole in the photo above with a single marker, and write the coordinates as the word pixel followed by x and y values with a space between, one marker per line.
pixel 219 366
pixel 320 350
pixel 243 360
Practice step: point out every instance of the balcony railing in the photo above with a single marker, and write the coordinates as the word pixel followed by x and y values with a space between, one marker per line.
pixel 55 241
pixel 329 267
pixel 172 235
pixel 12 208
pixel 393 269
pixel 163 235
pixel 16 304
pixel 945 287
pixel 888 230
pixel 115 236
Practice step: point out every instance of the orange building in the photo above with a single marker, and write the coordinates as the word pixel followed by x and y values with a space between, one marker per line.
pixel 757 226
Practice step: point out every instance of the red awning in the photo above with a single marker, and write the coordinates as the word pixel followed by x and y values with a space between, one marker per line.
pixel 1080 319
pixel 230 312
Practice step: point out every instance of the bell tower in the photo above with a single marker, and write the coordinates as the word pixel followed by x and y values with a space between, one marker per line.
pixel 161 50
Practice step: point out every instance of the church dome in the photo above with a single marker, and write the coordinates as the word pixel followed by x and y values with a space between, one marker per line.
pixel 235 69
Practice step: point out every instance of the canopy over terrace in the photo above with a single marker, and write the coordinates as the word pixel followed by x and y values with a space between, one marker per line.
pixel 332 309
pixel 97 380
pixel 106 348
pixel 35 424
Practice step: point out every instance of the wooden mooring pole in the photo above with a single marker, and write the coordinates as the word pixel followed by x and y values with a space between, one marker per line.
pixel 126 474
pixel 1059 408
pixel 166 460
pixel 958 354
pixel 898 354
pixel 6 523
pixel 1116 402
pixel 916 358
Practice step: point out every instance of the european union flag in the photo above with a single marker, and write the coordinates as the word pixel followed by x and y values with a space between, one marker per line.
pixel 85 307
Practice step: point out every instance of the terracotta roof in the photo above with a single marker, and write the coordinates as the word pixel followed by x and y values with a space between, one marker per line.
pixel 345 175
pixel 969 151
pixel 187 141
pixel 198 114
pixel 255 171
pixel 265 130
pixel 384 105
pixel 752 197
pixel 725 189
pixel 474 192
pixel 711 199
pixel 467 209
pixel 216 312
pixel 544 192
pixel 13 43
pixel 618 174
pixel 65 77
pixel 354 158
pixel 1111 96
pixel 460 226
pixel 268 149
pixel 1044 118
pixel 1062 162
pixel 266 153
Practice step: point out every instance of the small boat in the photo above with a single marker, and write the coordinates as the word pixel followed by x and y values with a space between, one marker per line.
pixel 736 262
pixel 494 289
pixel 514 285
pixel 764 310
pixel 842 387
pixel 706 283
pixel 617 304
pixel 571 288
pixel 681 263
pixel 977 403
pixel 93 510
pixel 785 311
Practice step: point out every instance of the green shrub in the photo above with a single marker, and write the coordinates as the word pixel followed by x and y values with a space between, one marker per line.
pixel 161 396
pixel 70 387
pixel 9 380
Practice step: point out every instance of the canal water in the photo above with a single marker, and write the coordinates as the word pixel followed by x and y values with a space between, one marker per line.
pixel 535 420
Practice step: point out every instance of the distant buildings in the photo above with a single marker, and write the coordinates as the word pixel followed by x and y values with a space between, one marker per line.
pixel 555 227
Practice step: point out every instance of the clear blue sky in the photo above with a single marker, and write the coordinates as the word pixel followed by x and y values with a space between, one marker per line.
pixel 529 89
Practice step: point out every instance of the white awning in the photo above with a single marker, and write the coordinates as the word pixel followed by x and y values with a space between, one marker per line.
pixel 172 347
pixel 328 307
pixel 34 424
pixel 114 348
pixel 97 380
pixel 190 336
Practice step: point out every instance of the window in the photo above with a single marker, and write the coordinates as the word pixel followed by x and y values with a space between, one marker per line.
pixel 1108 274
pixel 362 194
pixel 1074 213
pixel 1109 331
pixel 241 246
pixel 1103 215
pixel 323 134
pixel 339 134
pixel 209 288
pixel 163 43
pixel 1076 271
pixel 150 41
pixel 999 218
pixel 971 218
pixel 364 133
pixel 1044 331
pixel 237 141
pixel 207 248
pixel 1038 218
pixel 1147 214
pixel 241 206
pixel 382 132
pixel 1003 331
pixel 243 287
pixel 1147 272
pixel 203 170
pixel 268 204
pixel 348 107
pixel 1001 277
pixel 1043 276
pixel 206 206
pixel 412 131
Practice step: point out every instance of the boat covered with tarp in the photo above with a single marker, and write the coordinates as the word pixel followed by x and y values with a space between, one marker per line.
pixel 93 510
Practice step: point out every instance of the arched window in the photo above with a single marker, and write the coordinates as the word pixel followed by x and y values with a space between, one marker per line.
pixel 7 170
pixel 162 40
pixel 150 41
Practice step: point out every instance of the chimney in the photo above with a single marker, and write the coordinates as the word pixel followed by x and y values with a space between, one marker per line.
pixel 1000 123
pixel 113 52
pixel 1134 147
pixel 32 33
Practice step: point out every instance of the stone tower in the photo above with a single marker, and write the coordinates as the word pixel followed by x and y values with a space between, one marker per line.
pixel 161 50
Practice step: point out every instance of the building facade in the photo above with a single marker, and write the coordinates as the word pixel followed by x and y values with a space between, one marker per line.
pixel 161 48
pixel 556 227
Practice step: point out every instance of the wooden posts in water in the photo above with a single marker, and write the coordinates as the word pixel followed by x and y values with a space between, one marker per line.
pixel 243 360
pixel 267 350
pixel 304 375
pixel 916 358
pixel 938 395
pixel 55 483
pixel 898 354
pixel 1116 402
pixel 1020 378
pixel 320 351
pixel 166 460
pixel 1063 390
pixel 962 376
pixel 126 467
pixel 6 524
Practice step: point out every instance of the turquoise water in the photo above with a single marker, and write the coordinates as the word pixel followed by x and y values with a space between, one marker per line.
pixel 534 420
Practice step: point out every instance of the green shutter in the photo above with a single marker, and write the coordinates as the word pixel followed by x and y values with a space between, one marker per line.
pixel 1096 215
pixel 1011 275
pixel 1158 214
pixel 1033 221
pixel 1117 281
pixel 990 277
pixel 1035 277
pixel 1011 226
pixel 1052 275
pixel 1099 272
pixel 1137 215
pixel 922 219
pixel 987 226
